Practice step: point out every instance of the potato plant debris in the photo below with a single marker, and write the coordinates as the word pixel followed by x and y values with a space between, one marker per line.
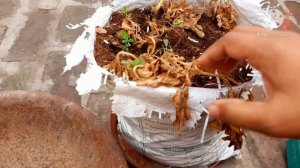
pixel 235 133
pixel 157 46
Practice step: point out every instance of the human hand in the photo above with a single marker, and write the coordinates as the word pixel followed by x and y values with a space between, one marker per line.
pixel 277 56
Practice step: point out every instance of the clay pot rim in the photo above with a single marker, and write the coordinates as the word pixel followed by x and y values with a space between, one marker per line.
pixel 69 110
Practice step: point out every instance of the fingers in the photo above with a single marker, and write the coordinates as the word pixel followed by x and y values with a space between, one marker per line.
pixel 252 29
pixel 240 44
pixel 262 32
pixel 238 112
pixel 216 55
pixel 226 52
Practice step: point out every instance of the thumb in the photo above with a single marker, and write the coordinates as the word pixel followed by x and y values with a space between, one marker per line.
pixel 240 113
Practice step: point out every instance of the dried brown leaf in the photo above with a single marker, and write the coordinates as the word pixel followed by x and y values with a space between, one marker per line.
pixel 182 111
pixel 100 30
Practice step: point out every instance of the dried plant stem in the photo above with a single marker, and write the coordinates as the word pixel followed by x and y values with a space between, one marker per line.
pixel 223 77
pixel 159 5
pixel 124 53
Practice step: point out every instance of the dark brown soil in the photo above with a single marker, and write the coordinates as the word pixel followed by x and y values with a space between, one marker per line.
pixel 183 46
pixel 182 42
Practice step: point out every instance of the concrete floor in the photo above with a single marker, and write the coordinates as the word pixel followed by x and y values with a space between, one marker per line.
pixel 33 42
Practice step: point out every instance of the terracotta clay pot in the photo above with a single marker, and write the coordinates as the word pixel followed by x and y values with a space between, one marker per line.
pixel 39 130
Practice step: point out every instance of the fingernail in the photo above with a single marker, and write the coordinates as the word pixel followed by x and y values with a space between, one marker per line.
pixel 198 61
pixel 214 111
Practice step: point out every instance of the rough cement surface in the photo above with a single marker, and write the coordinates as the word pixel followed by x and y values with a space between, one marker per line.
pixel 2 32
pixel 8 7
pixel 34 40
pixel 65 34
pixel 29 41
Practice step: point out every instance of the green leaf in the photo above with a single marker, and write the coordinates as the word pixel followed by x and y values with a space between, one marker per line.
pixel 166 43
pixel 177 22
pixel 124 35
pixel 126 40
pixel 137 62
pixel 130 40
pixel 125 10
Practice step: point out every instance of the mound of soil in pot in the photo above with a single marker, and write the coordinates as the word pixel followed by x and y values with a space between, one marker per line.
pixel 183 42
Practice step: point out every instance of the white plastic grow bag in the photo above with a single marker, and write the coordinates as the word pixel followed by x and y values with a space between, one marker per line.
pixel 145 114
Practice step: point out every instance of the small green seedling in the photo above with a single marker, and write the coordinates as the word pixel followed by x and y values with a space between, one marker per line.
pixel 126 12
pixel 137 62
pixel 166 44
pixel 177 22
pixel 126 40
pixel 134 63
